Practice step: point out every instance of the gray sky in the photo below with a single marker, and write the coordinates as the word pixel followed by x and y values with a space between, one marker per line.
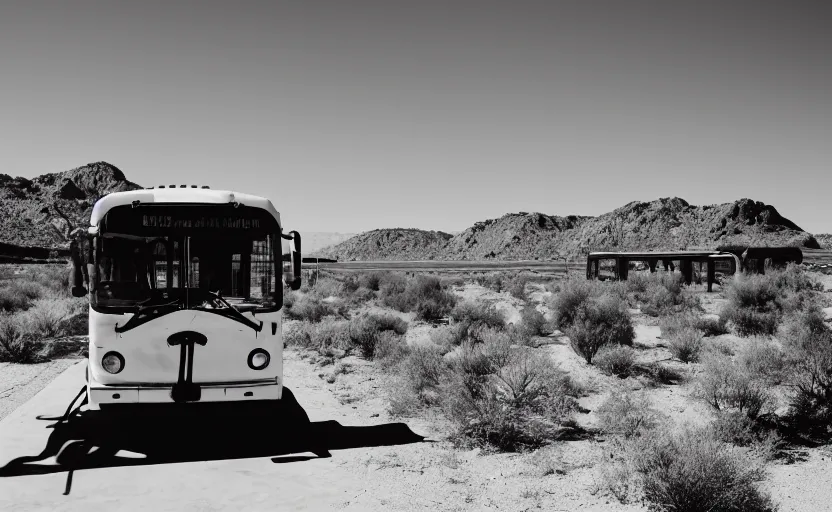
pixel 355 115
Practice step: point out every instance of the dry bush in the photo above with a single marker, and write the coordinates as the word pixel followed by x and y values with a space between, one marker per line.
pixel 660 293
pixel 600 322
pixel 618 360
pixel 311 308
pixel 45 319
pixel 628 414
pixel 766 359
pixel 365 331
pixel 757 303
pixel 690 471
pixel 423 295
pixel 808 344
pixel 532 322
pixel 574 293
pixel 470 318
pixel 330 333
pixel 506 399
pixel 726 384
pixel 685 345
pixel 670 324
pixel 390 350
pixel 16 343
pixel 735 428
pixel 370 280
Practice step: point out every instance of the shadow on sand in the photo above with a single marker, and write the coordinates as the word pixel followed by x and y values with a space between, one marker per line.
pixel 146 435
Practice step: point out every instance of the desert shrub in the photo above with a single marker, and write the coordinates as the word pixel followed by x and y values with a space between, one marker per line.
pixel 423 295
pixel 726 384
pixel 370 280
pixel 690 471
pixel 757 303
pixel 628 414
pixel 572 296
pixel 685 345
pixel 390 349
pixel 390 323
pixel 470 318
pixel 310 308
pixel 449 281
pixel 660 293
pixel 532 322
pixel 618 360
pixel 423 368
pixel 328 287
pixel 518 404
pixel 662 374
pixel 45 319
pixel 365 331
pixel 600 322
pixel 17 345
pixel 670 324
pixel 808 344
pixel 516 286
pixel 735 428
pixel 765 359
pixel 299 335
pixel 330 333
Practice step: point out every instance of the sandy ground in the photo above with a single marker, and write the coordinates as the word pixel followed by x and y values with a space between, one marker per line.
pixel 20 382
pixel 430 475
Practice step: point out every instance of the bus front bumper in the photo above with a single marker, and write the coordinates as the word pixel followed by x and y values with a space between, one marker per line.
pixel 112 394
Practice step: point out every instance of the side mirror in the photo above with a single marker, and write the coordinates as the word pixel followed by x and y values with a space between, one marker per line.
pixel 79 291
pixel 297 261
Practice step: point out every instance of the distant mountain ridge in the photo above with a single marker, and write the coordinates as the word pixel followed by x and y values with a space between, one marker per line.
pixel 662 224
pixel 37 215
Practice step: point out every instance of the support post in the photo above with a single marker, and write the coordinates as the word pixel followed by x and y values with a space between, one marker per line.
pixel 652 263
pixel 711 274
pixel 623 268
pixel 686 266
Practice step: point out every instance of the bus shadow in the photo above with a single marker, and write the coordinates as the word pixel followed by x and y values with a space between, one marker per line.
pixel 148 436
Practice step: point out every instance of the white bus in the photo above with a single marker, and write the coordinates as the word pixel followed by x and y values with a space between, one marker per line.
pixel 186 289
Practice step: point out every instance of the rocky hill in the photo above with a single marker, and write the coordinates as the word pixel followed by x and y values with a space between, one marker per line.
pixel 825 240
pixel 663 224
pixel 38 214
pixel 390 244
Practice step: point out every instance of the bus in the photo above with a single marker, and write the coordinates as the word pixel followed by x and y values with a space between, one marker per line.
pixel 185 294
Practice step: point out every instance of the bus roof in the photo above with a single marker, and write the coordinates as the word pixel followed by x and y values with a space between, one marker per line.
pixel 178 196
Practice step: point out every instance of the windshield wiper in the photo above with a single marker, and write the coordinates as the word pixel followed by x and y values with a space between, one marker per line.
pixel 146 313
pixel 230 311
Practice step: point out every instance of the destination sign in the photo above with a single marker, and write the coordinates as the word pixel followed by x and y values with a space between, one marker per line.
pixel 210 220
pixel 170 221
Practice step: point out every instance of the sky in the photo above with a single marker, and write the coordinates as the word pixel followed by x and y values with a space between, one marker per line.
pixel 358 115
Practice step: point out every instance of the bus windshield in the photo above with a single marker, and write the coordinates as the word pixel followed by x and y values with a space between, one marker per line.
pixel 149 267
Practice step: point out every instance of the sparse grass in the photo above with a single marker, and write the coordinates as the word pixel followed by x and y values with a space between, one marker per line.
pixel 726 384
pixel 686 345
pixel 16 343
pixel 618 360
pixel 670 324
pixel 757 303
pixel 628 414
pixel 691 471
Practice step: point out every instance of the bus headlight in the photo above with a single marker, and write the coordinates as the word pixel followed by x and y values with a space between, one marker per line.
pixel 258 359
pixel 112 362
